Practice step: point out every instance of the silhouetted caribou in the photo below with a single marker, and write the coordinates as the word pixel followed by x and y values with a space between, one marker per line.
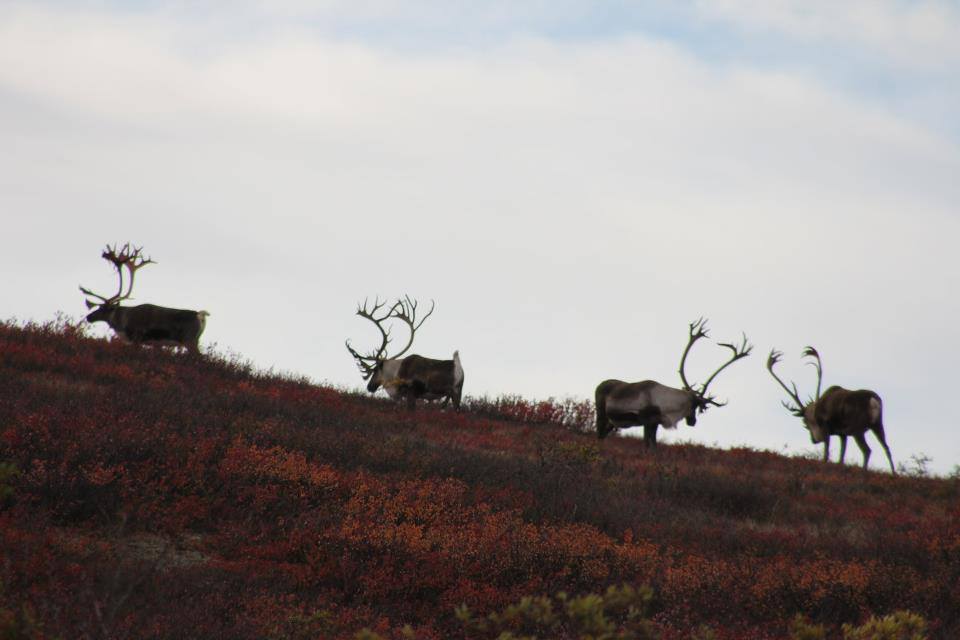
pixel 652 405
pixel 838 412
pixel 413 377
pixel 144 323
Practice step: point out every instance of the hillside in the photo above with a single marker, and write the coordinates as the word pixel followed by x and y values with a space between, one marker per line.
pixel 150 494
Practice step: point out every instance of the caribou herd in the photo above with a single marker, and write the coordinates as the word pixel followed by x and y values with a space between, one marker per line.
pixel 408 378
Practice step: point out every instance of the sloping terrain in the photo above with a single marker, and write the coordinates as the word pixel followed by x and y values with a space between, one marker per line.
pixel 151 494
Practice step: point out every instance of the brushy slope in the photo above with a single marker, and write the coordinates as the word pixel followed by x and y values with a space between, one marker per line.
pixel 150 494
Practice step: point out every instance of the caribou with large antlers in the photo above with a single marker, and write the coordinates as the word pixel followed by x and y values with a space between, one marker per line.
pixel 838 412
pixel 412 377
pixel 144 323
pixel 652 405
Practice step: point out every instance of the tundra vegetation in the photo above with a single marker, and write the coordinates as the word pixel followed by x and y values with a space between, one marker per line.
pixel 149 494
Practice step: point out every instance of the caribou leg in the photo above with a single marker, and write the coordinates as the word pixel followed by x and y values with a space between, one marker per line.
pixel 826 449
pixel 843 448
pixel 878 431
pixel 650 435
pixel 864 447
pixel 607 423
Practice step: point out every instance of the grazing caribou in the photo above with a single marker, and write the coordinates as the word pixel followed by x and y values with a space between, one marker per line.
pixel 414 377
pixel 838 412
pixel 144 323
pixel 652 405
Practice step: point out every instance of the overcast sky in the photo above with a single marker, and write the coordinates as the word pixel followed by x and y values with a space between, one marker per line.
pixel 571 181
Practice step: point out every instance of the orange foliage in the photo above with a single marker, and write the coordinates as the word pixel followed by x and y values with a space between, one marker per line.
pixel 155 492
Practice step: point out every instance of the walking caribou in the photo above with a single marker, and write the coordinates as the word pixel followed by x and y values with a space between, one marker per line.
pixel 838 412
pixel 144 323
pixel 413 377
pixel 652 405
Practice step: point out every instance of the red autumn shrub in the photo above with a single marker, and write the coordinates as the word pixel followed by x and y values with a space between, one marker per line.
pixel 147 493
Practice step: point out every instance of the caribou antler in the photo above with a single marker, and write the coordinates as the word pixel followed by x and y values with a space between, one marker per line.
pixel 368 363
pixel 810 352
pixel 741 351
pixel 129 258
pixel 698 330
pixel 404 310
pixel 773 359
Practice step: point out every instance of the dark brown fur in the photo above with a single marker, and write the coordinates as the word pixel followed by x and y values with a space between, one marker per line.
pixel 842 412
pixel 149 323
pixel 430 379
pixel 421 378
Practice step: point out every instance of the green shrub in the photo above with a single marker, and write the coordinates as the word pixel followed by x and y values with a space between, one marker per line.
pixel 8 471
pixel 618 614
pixel 703 632
pixel 802 629
pixel 901 625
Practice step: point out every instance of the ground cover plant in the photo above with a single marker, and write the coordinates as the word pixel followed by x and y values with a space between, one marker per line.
pixel 151 494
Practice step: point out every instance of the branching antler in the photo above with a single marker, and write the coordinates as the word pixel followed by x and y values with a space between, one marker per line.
pixel 773 359
pixel 128 258
pixel 741 351
pixel 698 330
pixel 810 352
pixel 404 310
pixel 368 363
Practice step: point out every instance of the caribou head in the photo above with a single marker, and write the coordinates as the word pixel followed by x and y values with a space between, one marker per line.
pixel 804 410
pixel 700 401
pixel 126 259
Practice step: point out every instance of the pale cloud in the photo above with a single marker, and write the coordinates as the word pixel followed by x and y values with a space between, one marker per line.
pixel 570 205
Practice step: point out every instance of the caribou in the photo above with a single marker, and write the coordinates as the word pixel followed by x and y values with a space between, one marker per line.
pixel 144 323
pixel 413 377
pixel 652 405
pixel 838 412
